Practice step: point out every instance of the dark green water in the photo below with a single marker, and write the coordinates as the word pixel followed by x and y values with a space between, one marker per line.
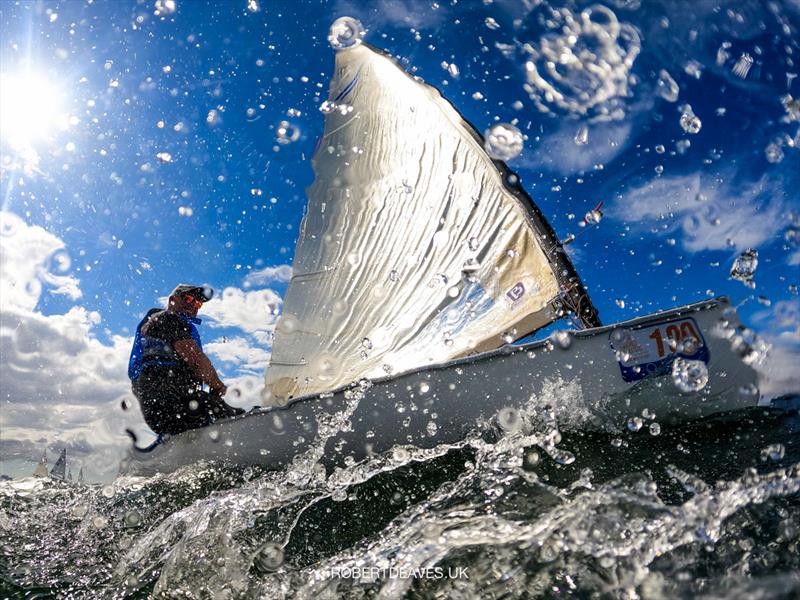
pixel 707 509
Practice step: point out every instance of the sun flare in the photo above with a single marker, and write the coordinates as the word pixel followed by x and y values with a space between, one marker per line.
pixel 30 110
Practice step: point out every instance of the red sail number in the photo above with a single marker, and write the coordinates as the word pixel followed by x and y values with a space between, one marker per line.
pixel 675 334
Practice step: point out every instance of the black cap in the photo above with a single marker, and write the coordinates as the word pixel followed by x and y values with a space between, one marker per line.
pixel 203 293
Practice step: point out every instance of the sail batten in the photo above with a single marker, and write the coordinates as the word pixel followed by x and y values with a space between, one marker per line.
pixel 426 252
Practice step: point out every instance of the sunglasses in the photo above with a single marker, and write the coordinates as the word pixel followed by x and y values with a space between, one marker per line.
pixel 192 301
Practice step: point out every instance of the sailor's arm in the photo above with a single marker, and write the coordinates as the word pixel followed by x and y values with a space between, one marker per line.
pixel 199 363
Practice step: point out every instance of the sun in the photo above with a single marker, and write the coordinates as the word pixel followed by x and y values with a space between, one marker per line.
pixel 30 110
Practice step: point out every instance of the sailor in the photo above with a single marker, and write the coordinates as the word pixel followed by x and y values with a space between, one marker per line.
pixel 168 368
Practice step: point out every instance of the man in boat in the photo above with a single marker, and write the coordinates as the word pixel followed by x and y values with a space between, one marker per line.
pixel 168 368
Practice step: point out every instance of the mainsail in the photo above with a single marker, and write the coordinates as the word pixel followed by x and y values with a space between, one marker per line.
pixel 59 469
pixel 416 248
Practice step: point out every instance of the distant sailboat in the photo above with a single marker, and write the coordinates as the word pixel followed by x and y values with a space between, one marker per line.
pixel 69 475
pixel 41 468
pixel 60 468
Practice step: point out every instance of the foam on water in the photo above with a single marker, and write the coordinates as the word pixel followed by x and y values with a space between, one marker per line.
pixel 526 503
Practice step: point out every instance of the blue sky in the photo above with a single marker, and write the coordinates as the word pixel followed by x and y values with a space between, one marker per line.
pixel 155 159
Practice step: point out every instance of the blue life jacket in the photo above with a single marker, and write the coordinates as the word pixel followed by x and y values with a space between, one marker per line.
pixel 148 351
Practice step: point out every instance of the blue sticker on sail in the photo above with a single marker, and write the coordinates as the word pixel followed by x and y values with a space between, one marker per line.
pixel 348 88
pixel 650 350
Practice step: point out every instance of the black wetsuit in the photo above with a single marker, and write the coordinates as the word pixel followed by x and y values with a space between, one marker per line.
pixel 169 393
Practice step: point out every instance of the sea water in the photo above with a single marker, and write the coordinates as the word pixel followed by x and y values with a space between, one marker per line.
pixel 519 509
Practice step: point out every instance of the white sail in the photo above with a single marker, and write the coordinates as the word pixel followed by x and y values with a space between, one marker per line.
pixel 416 248
pixel 41 468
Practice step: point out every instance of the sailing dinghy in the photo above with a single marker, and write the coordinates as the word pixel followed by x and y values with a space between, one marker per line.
pixel 419 259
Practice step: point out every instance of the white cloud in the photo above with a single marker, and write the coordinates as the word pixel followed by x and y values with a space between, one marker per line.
pixel 559 153
pixel 711 212
pixel 28 257
pixel 61 386
pixel 238 351
pixel 253 312
pixel 279 274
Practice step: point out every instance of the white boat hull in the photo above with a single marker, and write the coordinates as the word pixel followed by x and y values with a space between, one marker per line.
pixel 590 383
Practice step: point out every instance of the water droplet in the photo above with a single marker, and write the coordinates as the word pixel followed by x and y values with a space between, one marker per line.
pixel 132 518
pixel 269 557
pixel 165 7
pixel 431 428
pixel 287 133
pixel 773 452
pixel 453 291
pixel 563 339
pixel 666 87
pixel 339 495
pixel 164 157
pixel 503 141
pixel 287 323
pixel 394 275
pixel 655 429
pixel 193 405
pixel 620 302
pixel 690 122
pixel 213 434
pixel 582 136
pixel 491 23
pixel 774 153
pixel 593 217
pixel 366 343
pixel 635 423
pixel 346 32
pixel 749 390
pixel 689 375
pixel 99 522
pixel 252 6
pixel 108 491
pixel 424 388
pixel 744 267
pixel 473 244
pixel 509 419
pixel 742 66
